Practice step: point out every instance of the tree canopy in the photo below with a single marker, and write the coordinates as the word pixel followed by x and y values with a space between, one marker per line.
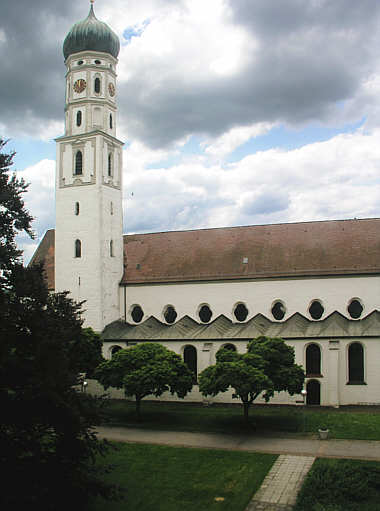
pixel 266 368
pixel 145 369
pixel 48 446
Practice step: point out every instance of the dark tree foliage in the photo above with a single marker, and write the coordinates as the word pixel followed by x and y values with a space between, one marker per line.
pixel 48 447
pixel 267 367
pixel 13 215
pixel 145 369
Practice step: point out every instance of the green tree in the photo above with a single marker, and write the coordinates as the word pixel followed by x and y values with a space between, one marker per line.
pixel 145 369
pixel 48 446
pixel 267 367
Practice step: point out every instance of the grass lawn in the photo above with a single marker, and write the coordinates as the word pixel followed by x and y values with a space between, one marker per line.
pixel 346 422
pixel 341 485
pixel 179 479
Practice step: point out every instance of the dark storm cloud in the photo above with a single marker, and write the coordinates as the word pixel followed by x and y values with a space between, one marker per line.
pixel 311 54
pixel 32 70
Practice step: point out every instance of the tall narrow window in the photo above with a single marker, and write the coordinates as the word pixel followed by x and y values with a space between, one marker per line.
pixel 77 208
pixel 78 248
pixel 111 123
pixel 110 164
pixel 190 359
pixel 79 117
pixel 313 360
pixel 111 248
pixel 97 85
pixel 111 208
pixel 78 163
pixel 355 364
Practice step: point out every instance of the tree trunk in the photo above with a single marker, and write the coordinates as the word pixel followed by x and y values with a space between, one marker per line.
pixel 246 409
pixel 138 414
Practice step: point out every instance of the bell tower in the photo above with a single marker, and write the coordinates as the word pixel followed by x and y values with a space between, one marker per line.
pixel 88 235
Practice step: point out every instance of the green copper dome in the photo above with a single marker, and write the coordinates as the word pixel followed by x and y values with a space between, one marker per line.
pixel 91 34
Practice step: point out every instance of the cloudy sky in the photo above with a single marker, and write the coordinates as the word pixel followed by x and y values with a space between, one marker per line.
pixel 234 112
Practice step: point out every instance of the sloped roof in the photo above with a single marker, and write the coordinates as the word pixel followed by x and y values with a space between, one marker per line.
pixel 45 255
pixel 333 247
pixel 222 328
pixel 259 251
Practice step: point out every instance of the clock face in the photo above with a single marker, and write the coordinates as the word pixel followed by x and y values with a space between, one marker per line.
pixel 80 85
pixel 111 89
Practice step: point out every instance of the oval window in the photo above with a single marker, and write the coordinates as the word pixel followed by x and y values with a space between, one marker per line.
pixel 355 309
pixel 137 313
pixel 241 312
pixel 316 309
pixel 170 314
pixel 278 310
pixel 97 62
pixel 205 314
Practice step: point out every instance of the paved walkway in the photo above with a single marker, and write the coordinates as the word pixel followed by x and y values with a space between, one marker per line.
pixel 281 485
pixel 298 446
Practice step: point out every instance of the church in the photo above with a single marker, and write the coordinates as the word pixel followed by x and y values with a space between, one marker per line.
pixel 314 284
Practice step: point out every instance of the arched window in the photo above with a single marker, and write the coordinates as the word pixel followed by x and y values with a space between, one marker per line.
pixel 205 314
pixel 355 364
pixel 111 248
pixel 313 360
pixel 111 123
pixel 79 117
pixel 190 359
pixel 78 163
pixel 97 85
pixel 77 208
pixel 110 164
pixel 78 248
pixel 115 349
pixel 229 346
pixel 170 314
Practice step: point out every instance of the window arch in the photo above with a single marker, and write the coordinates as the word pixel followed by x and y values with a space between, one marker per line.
pixel 79 117
pixel 78 163
pixel 111 248
pixel 111 122
pixel 97 85
pixel 110 164
pixel 313 359
pixel 229 346
pixel 76 208
pixel 78 248
pixel 356 364
pixel 114 350
pixel 190 359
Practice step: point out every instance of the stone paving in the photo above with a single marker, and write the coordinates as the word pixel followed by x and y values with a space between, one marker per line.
pixel 282 484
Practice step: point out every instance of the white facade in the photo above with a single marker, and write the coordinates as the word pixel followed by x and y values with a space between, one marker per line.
pixel 88 235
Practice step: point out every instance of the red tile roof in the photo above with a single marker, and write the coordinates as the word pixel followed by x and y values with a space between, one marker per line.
pixel 334 247
pixel 45 254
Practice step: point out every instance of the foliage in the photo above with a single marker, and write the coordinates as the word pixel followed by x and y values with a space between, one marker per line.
pixel 145 369
pixel 267 367
pixel 47 440
pixel 88 349
pixel 13 215
pixel 172 478
pixel 341 485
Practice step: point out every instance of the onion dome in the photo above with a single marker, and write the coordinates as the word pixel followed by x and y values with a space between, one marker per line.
pixel 91 34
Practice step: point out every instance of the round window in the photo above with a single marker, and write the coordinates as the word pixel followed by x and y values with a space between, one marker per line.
pixel 137 313
pixel 97 62
pixel 316 309
pixel 355 309
pixel 205 314
pixel 241 312
pixel 278 310
pixel 80 62
pixel 170 314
